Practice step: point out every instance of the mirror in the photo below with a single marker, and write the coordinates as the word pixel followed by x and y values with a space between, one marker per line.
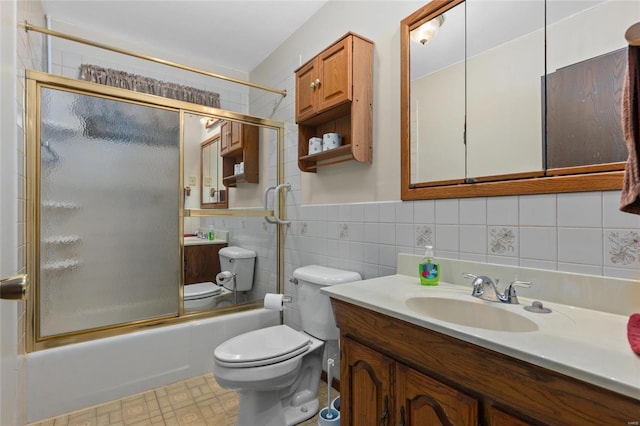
pixel 476 113
pixel 214 193
pixel 228 201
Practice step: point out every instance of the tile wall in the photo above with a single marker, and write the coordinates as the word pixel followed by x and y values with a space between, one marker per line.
pixel 576 232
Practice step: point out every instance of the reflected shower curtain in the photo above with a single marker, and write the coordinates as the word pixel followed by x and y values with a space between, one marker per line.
pixel 109 200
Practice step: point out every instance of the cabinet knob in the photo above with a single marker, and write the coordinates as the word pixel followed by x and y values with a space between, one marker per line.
pixel 315 84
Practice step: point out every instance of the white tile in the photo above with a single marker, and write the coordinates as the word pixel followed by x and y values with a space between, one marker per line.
pixel 580 268
pixel 370 253
pixel 387 212
pixel 357 213
pixel 370 271
pixel 387 255
pixel 447 212
pixel 344 249
pixel 538 243
pixel 424 211
pixel 404 212
pixel 580 245
pixel 405 235
pixel 387 233
pixel 503 260
pixel 612 217
pixel 622 248
pixel 357 251
pixel 371 233
pixel 474 257
pixel 333 212
pixel 332 248
pixel 386 271
pixel 447 238
pixel 473 211
pixel 424 235
pixel 630 274
pixel 371 213
pixel 582 209
pixel 502 241
pixel 473 239
pixel 333 230
pixel 502 211
pixel 356 231
pixel 538 210
pixel 344 212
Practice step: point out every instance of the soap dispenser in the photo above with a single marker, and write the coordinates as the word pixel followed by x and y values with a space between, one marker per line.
pixel 428 270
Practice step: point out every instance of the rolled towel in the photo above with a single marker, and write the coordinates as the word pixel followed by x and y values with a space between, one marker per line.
pixel 633 332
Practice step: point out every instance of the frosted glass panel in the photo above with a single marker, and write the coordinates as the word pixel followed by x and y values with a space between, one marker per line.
pixel 109 230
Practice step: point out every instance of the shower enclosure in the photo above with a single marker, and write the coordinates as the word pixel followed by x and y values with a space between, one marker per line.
pixel 105 210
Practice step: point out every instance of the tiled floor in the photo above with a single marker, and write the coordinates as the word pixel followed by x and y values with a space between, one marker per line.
pixel 194 402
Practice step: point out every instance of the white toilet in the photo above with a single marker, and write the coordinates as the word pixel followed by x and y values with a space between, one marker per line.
pixel 241 262
pixel 203 296
pixel 276 370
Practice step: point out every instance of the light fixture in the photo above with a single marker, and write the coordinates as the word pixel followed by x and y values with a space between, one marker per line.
pixel 428 30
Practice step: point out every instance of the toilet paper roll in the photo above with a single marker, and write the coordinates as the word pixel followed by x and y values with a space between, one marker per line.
pixel 224 277
pixel 274 302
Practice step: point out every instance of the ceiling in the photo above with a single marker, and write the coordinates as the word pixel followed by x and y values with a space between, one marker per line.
pixel 237 35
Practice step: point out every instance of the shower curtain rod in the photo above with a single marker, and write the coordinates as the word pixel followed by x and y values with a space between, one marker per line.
pixel 29 27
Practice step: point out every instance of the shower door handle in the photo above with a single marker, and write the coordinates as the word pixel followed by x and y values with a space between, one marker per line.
pixel 13 288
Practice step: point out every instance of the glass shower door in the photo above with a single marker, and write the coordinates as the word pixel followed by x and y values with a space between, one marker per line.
pixel 109 200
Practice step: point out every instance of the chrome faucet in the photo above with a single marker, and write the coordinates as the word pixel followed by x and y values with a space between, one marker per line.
pixel 485 289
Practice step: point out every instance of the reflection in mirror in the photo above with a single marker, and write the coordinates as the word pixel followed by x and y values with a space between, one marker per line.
pixel 497 57
pixel 505 72
pixel 224 240
pixel 437 101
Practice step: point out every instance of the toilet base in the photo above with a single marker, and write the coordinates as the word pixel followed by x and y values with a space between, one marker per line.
pixel 265 408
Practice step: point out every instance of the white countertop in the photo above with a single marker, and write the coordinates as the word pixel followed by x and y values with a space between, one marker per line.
pixel 585 344
pixel 195 241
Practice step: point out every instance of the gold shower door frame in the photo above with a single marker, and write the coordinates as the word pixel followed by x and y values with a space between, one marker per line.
pixel 35 81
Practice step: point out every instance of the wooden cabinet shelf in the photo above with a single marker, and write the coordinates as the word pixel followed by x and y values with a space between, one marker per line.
pixel 239 144
pixel 334 94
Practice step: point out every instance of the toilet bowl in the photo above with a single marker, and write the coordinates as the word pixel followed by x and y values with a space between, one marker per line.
pixel 276 370
pixel 202 296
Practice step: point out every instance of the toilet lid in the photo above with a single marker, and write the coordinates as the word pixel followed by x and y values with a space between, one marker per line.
pixel 261 347
pixel 201 290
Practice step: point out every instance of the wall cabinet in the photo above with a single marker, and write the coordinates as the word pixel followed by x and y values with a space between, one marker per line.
pixel 201 263
pixel 393 372
pixel 334 94
pixel 239 144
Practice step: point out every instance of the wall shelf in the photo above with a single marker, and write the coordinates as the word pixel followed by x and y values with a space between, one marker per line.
pixel 334 94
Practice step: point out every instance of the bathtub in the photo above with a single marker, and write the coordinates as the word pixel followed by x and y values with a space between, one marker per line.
pixel 81 375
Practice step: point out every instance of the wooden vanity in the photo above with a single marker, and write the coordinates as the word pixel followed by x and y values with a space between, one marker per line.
pixel 393 372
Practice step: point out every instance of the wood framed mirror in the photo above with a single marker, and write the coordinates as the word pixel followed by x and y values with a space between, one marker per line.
pixel 511 100
pixel 213 194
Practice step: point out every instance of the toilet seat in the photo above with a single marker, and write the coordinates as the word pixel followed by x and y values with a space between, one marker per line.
pixel 201 291
pixel 262 347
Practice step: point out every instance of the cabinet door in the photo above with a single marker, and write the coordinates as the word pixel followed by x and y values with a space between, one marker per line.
pixel 425 401
pixel 497 417
pixel 306 93
pixel 225 137
pixel 201 263
pixel 335 75
pixel 366 377
pixel 235 142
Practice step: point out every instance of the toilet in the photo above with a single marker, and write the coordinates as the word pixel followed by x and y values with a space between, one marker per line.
pixel 203 296
pixel 276 370
pixel 238 261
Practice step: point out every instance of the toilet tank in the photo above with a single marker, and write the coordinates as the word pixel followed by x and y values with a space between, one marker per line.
pixel 315 308
pixel 241 262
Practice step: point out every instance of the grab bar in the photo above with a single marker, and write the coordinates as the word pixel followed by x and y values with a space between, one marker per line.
pixel 13 288
pixel 276 204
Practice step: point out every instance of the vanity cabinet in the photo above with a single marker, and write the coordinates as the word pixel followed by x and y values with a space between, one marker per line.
pixel 201 263
pixel 239 144
pixel 334 94
pixel 384 391
pixel 429 378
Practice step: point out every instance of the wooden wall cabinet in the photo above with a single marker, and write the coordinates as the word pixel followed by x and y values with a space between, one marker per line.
pixel 334 94
pixel 201 263
pixel 393 372
pixel 239 143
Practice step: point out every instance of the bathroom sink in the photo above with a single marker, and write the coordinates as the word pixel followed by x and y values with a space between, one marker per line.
pixel 471 313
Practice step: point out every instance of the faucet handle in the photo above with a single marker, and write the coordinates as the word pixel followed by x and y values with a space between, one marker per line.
pixel 479 282
pixel 510 291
